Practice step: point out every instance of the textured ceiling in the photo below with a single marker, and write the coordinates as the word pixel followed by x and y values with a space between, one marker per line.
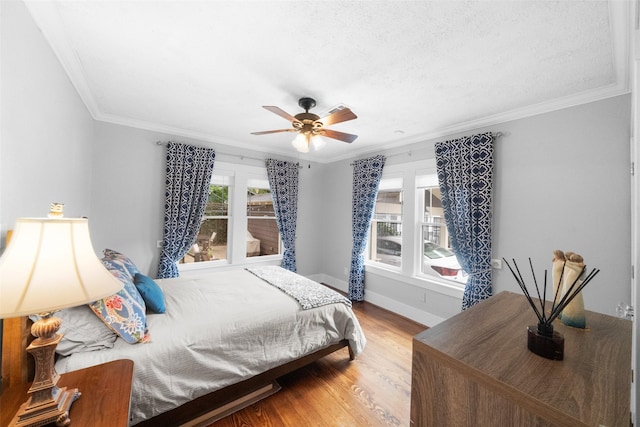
pixel 410 70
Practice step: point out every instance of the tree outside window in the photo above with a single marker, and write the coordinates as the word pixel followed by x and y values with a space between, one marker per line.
pixel 211 243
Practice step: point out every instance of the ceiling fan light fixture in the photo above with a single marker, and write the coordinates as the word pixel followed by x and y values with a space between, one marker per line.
pixel 301 143
pixel 318 142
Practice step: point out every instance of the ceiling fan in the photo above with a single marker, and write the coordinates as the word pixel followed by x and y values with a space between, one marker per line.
pixel 310 126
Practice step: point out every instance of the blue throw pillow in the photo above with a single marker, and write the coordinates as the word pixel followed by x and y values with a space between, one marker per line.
pixel 151 293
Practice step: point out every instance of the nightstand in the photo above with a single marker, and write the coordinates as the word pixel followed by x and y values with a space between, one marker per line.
pixel 105 399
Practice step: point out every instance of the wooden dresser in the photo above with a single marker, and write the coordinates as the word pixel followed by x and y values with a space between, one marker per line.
pixel 474 369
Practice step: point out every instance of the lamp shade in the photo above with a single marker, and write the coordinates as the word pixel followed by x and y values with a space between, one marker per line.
pixel 49 265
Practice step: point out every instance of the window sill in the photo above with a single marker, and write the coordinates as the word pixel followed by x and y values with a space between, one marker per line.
pixel 202 265
pixel 222 263
pixel 441 286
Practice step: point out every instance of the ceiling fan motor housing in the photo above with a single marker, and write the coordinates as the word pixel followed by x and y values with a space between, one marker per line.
pixel 307 103
pixel 307 117
pixel 307 122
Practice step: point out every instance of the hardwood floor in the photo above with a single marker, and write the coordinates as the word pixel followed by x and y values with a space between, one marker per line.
pixel 372 390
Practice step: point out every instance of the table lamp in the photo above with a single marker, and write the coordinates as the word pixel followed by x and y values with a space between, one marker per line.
pixel 49 265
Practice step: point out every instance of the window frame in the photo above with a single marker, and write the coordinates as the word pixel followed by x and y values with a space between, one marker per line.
pixel 264 181
pixel 410 270
pixel 228 176
pixel 388 183
pixel 237 223
pixel 427 178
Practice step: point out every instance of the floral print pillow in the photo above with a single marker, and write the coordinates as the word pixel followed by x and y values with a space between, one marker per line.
pixel 130 267
pixel 125 311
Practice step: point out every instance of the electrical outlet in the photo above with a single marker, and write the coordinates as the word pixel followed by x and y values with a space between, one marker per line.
pixel 496 263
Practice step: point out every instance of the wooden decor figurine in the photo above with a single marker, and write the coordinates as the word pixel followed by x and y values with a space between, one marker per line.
pixel 573 264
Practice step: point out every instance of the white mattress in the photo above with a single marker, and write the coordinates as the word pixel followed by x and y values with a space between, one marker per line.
pixel 219 328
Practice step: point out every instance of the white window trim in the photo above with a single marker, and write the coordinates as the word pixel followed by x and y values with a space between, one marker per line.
pixel 237 235
pixel 409 272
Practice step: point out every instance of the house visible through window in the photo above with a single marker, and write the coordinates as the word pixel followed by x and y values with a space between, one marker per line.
pixel 437 258
pixel 411 239
pixel 385 241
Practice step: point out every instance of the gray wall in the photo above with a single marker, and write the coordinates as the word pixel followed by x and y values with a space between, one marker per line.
pixel 561 182
pixel 45 128
pixel 128 180
pixel 46 131
pixel 564 182
pixel 128 198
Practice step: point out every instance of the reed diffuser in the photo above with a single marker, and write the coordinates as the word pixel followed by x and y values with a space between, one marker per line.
pixel 541 338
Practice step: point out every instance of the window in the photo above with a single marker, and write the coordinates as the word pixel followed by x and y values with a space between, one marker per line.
pixel 385 241
pixel 409 236
pixel 239 223
pixel 211 243
pixel 437 258
pixel 263 237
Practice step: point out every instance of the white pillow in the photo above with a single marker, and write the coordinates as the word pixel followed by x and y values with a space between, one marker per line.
pixel 82 330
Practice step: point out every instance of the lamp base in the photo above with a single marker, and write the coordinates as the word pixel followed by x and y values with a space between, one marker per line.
pixel 47 402
pixel 56 410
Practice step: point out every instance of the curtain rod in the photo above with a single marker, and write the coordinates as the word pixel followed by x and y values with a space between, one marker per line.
pixel 410 152
pixel 239 156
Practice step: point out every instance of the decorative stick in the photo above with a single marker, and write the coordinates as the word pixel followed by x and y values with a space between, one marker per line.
pixel 518 270
pixel 524 290
pixel 519 282
pixel 544 293
pixel 537 288
pixel 553 306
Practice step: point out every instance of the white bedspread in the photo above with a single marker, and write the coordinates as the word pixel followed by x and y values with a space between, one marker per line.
pixel 219 328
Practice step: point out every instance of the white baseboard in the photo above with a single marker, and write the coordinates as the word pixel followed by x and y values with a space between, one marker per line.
pixel 383 301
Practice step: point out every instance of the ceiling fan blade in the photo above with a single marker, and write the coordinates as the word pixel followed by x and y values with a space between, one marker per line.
pixel 339 116
pixel 273 131
pixel 279 111
pixel 346 137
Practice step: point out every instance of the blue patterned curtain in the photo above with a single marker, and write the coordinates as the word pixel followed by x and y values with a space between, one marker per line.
pixel 366 178
pixel 283 181
pixel 188 178
pixel 465 172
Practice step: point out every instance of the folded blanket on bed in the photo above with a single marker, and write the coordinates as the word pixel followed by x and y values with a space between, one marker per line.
pixel 308 293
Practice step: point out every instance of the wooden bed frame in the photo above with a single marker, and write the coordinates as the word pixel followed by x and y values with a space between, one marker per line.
pixel 16 369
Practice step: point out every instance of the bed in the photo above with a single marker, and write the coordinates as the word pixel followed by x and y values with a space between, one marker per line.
pixel 223 335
